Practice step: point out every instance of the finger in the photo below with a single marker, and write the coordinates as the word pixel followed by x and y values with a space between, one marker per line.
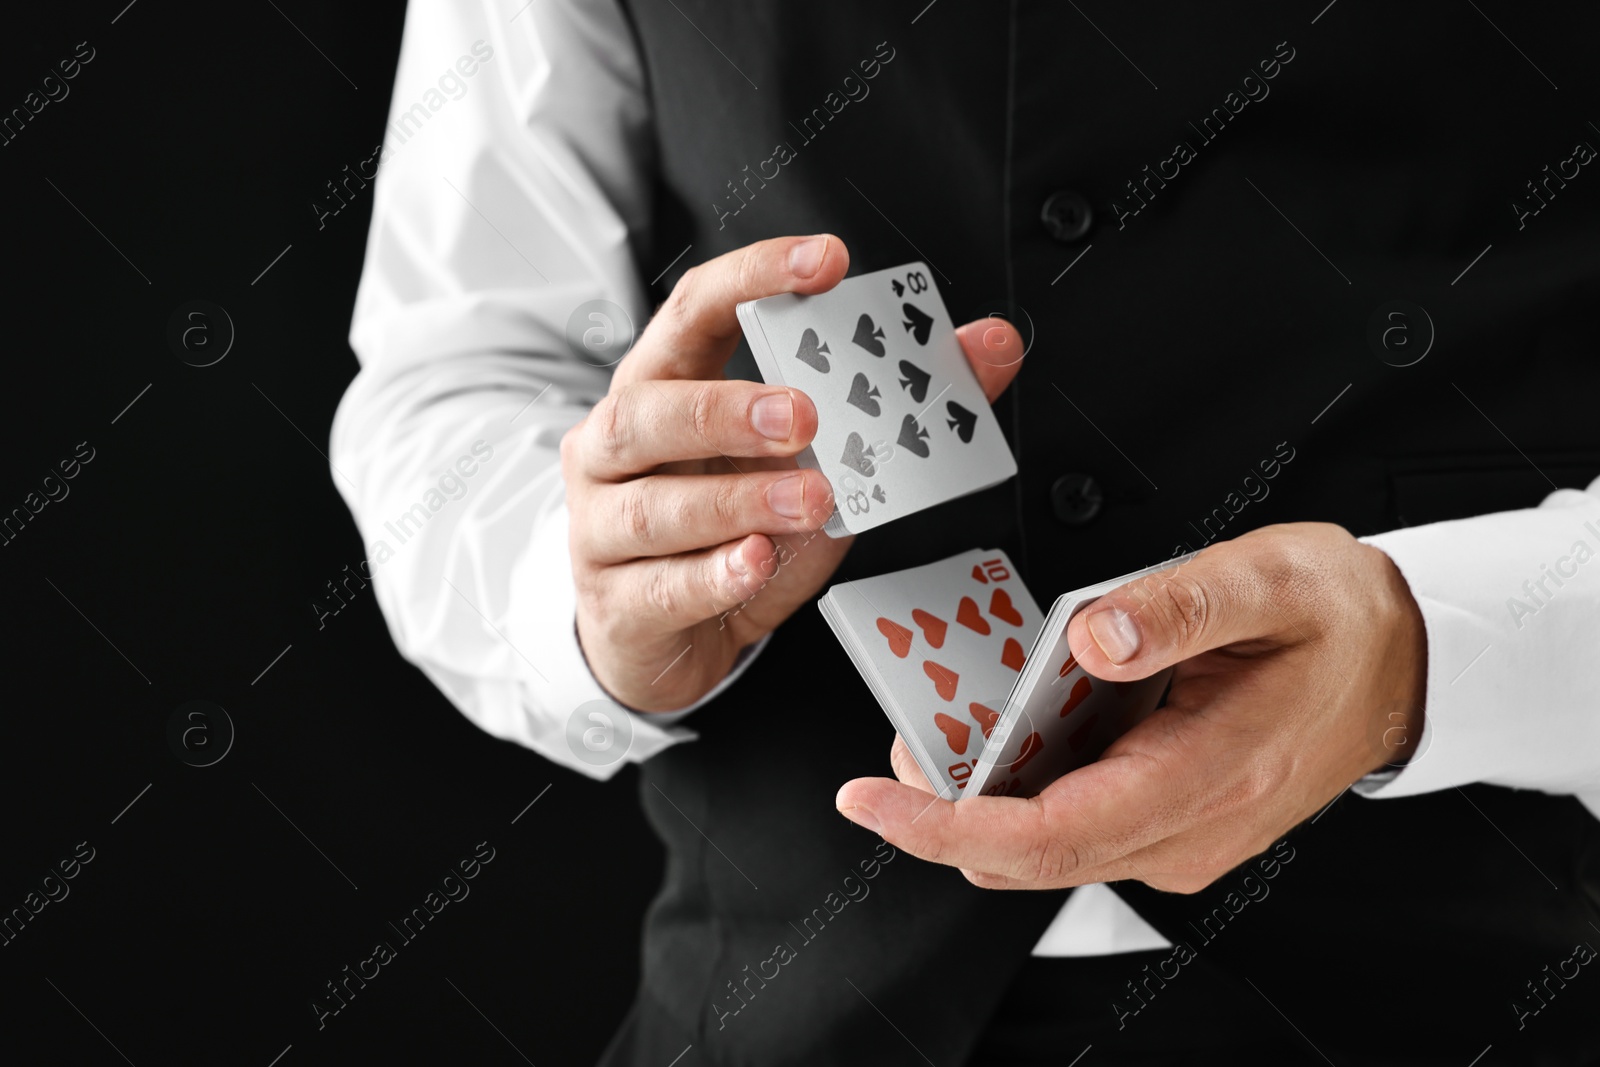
pixel 1077 830
pixel 638 427
pixel 905 766
pixel 676 592
pixel 1139 865
pixel 697 329
pixel 985 880
pixel 1221 597
pixel 666 514
pixel 994 349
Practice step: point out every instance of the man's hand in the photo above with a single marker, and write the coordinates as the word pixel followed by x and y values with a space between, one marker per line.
pixel 1301 666
pixel 693 533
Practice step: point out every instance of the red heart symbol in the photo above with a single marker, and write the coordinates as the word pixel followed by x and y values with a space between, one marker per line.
pixel 1000 607
pixel 1012 655
pixel 1080 692
pixel 969 616
pixel 1030 748
pixel 933 627
pixel 1076 739
pixel 977 572
pixel 986 717
pixel 944 679
pixel 1067 667
pixel 956 733
pixel 899 637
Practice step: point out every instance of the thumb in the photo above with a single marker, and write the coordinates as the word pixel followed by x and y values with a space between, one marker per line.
pixel 1220 597
pixel 994 349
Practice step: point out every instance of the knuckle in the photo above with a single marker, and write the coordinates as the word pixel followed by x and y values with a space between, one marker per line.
pixel 932 850
pixel 1201 865
pixel 704 412
pixel 1278 559
pixel 1052 861
pixel 681 301
pixel 1049 860
pixel 717 591
pixel 637 516
pixel 900 759
pixel 660 593
pixel 924 845
pixel 576 484
pixel 585 583
pixel 612 628
pixel 1262 781
pixel 1187 608
pixel 612 423
pixel 747 270
pixel 727 502
pixel 984 880
pixel 1242 791
pixel 570 444
pixel 597 612
pixel 1186 884
pixel 687 514
pixel 579 541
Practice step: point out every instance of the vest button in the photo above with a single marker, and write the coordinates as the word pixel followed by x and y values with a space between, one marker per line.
pixel 1066 216
pixel 1076 499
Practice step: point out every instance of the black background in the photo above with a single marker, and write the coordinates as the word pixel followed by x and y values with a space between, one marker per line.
pixel 187 556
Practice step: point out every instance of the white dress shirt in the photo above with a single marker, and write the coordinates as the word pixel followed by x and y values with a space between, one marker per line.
pixel 505 199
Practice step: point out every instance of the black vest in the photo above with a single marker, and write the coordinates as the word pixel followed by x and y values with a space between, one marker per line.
pixel 1247 222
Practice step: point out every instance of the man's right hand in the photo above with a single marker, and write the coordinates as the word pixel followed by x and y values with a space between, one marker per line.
pixel 693 532
pixel 683 491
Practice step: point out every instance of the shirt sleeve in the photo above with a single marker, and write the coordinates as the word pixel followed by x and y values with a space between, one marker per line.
pixel 512 176
pixel 1511 603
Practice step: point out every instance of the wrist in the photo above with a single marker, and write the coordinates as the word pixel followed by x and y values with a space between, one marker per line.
pixel 1402 663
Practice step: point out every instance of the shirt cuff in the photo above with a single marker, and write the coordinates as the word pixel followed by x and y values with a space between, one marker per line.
pixel 1512 614
pixel 575 722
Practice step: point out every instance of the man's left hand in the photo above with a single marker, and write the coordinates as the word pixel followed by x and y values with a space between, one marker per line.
pixel 1300 660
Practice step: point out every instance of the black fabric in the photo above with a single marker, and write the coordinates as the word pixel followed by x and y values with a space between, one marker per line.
pixel 1193 342
pixel 1055 1010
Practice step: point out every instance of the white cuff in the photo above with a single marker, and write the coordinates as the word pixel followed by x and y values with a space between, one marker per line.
pixel 1511 603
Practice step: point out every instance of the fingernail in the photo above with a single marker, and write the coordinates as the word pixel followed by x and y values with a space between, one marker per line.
pixel 805 258
pixel 736 561
pixel 1114 631
pixel 788 497
pixel 773 416
pixel 863 817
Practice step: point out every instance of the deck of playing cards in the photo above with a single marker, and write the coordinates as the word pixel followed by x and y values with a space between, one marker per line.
pixel 979 683
pixel 902 423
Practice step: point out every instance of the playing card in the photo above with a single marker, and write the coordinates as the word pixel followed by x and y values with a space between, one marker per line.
pixel 941 646
pixel 986 694
pixel 902 423
pixel 1060 717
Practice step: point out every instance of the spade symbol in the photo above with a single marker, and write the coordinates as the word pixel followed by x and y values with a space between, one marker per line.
pixel 811 351
pixel 869 335
pixel 961 421
pixel 897 287
pixel 911 438
pixel 915 380
pixel 917 323
pixel 877 494
pixel 862 393
pixel 857 456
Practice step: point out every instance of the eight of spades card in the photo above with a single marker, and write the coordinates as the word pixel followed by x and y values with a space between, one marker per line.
pixel 902 423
